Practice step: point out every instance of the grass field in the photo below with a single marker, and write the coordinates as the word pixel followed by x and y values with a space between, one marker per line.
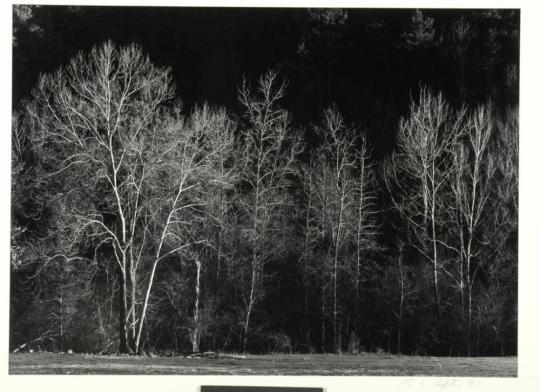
pixel 277 364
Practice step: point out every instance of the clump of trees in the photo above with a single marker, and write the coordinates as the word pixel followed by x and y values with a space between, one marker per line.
pixel 138 225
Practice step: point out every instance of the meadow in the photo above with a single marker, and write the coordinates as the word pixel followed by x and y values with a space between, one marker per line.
pixel 274 364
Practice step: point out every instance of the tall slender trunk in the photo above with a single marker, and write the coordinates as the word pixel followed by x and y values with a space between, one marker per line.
pixel 122 317
pixel 359 236
pixel 462 253
pixel 463 285
pixel 434 242
pixel 254 258
pixel 469 319
pixel 61 315
pixel 123 314
pixel 425 199
pixel 154 267
pixel 323 326
pixel 401 295
pixel 306 304
pixel 251 302
pixel 195 332
pixel 469 292
pixel 305 263
pixel 218 262
pixel 462 272
pixel 337 244
pixel 334 299
pixel 435 267
pixel 471 228
pixel 132 307
pixel 220 237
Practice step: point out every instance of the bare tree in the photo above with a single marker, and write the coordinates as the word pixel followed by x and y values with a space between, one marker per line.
pixel 219 192
pixel 500 229
pixel 421 170
pixel 365 211
pixel 215 198
pixel 266 160
pixel 179 200
pixel 19 173
pixel 125 166
pixel 472 191
pixel 336 188
pixel 505 185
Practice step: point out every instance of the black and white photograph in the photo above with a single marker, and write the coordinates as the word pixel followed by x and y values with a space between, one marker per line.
pixel 264 191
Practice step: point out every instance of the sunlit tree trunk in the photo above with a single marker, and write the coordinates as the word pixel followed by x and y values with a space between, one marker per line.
pixel 195 331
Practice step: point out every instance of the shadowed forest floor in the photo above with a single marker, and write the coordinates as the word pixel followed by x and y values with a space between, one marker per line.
pixel 276 364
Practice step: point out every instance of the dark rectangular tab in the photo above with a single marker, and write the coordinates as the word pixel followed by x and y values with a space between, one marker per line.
pixel 229 388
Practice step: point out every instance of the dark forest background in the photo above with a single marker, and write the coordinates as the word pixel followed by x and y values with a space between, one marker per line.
pixel 367 61
pixel 370 65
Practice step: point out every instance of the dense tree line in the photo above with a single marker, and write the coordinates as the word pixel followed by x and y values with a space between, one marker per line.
pixel 144 224
pixel 367 61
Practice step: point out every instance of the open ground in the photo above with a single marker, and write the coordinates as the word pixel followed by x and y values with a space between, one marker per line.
pixel 276 364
